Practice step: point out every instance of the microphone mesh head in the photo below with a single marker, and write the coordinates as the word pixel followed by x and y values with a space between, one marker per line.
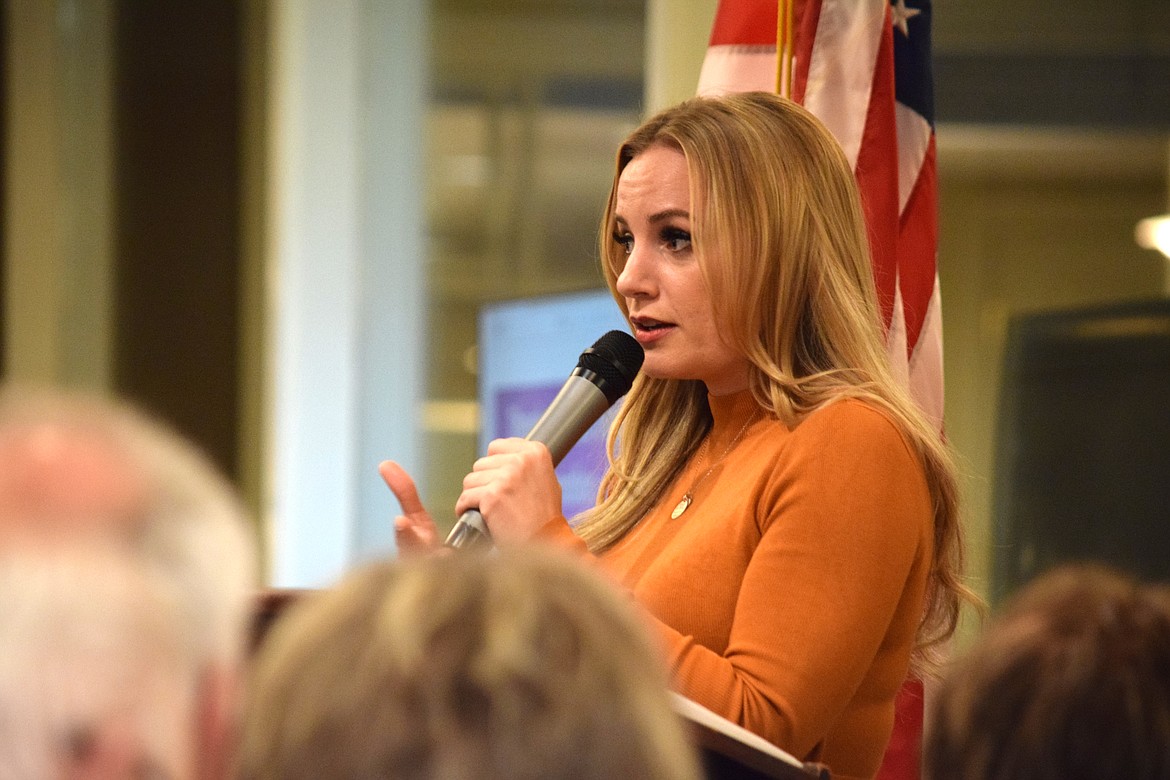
pixel 616 358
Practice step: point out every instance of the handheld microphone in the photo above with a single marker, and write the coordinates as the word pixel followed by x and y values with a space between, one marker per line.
pixel 604 373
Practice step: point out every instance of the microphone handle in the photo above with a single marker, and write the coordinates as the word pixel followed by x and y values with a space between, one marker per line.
pixel 470 532
pixel 576 407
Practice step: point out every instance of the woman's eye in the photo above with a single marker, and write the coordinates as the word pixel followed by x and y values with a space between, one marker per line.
pixel 625 241
pixel 675 240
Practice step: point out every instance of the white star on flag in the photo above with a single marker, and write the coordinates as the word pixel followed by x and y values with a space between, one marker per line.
pixel 900 15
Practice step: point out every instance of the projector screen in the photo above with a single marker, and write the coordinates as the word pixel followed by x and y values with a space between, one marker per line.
pixel 527 349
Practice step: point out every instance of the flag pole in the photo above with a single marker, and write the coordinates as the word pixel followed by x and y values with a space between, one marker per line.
pixel 784 52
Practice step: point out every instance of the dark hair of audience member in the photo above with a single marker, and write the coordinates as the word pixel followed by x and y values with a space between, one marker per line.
pixel 1072 681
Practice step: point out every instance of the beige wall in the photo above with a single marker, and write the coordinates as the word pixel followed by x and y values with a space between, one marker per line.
pixel 58 303
pixel 677 32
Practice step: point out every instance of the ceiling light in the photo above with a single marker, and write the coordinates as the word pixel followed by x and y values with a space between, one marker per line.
pixel 1154 233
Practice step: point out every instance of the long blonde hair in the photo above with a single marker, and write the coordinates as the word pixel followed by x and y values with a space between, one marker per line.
pixel 771 188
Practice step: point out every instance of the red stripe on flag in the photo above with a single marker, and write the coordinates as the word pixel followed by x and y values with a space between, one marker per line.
pixel 745 23
pixel 901 762
pixel 806 16
pixel 877 174
pixel 917 244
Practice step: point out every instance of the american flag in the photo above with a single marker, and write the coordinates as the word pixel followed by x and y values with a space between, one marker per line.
pixel 863 67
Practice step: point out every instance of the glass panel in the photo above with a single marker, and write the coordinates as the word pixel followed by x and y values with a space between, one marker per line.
pixel 529 102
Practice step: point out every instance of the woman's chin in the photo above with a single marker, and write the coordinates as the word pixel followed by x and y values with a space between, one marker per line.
pixel 658 369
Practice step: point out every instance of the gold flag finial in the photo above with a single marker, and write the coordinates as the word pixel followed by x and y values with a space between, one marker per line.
pixel 784 48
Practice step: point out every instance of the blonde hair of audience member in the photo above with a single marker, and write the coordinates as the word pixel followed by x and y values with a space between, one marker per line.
pixel 1071 682
pixel 464 667
pixel 94 678
pixel 779 235
pixel 73 465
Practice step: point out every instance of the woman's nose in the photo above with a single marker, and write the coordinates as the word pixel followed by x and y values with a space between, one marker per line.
pixel 637 279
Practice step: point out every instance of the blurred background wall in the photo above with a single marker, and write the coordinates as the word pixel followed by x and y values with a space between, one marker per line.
pixel 274 223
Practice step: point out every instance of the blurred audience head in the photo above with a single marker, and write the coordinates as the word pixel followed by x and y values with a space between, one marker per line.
pixel 82 470
pixel 463 667
pixel 1072 681
pixel 95 681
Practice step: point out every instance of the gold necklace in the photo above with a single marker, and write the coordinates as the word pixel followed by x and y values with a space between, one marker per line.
pixel 689 497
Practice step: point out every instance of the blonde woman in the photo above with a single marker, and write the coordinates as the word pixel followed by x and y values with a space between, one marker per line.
pixel 775 501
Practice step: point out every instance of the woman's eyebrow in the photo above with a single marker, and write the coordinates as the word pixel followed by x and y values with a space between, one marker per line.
pixel 666 214
pixel 656 217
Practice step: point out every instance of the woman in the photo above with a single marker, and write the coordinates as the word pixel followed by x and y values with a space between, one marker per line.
pixel 775 500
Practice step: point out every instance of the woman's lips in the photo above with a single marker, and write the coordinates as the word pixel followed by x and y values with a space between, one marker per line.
pixel 647 330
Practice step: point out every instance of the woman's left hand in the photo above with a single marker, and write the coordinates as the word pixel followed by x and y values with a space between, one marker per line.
pixel 414 529
pixel 514 487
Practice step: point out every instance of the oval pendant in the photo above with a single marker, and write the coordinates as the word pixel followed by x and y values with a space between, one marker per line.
pixel 681 507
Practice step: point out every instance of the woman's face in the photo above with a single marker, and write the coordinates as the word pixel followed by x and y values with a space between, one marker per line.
pixel 668 301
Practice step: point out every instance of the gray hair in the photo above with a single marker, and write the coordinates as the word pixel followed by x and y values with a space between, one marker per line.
pixel 88 643
pixel 190 527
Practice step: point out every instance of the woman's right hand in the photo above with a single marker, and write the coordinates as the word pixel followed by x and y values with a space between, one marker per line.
pixel 414 529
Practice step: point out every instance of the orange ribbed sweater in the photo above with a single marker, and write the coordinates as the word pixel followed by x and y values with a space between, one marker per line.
pixel 790 592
